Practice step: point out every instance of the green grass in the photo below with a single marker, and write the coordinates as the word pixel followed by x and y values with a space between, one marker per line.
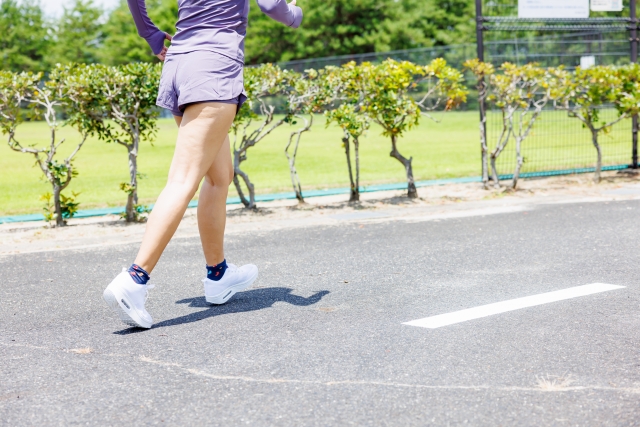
pixel 446 149
pixel 440 150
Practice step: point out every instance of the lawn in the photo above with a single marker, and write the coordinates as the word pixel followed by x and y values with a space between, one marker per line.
pixel 449 148
pixel 445 149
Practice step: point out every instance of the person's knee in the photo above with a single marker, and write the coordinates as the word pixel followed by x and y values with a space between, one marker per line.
pixel 220 179
pixel 183 186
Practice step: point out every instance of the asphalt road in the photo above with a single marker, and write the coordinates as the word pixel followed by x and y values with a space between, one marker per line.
pixel 320 339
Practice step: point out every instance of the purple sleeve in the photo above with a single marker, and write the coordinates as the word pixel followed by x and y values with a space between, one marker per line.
pixel 146 28
pixel 282 12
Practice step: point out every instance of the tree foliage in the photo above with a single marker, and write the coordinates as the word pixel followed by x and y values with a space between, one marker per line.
pixel 584 93
pixel 78 34
pixel 520 93
pixel 260 83
pixel 25 36
pixel 118 104
pixel 122 44
pixel 87 34
pixel 44 100
pixel 337 27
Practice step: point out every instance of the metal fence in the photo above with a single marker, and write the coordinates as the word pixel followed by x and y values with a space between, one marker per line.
pixel 608 48
pixel 561 144
pixel 558 143
pixel 454 54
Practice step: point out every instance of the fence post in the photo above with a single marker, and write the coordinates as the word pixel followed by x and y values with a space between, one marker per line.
pixel 633 27
pixel 480 52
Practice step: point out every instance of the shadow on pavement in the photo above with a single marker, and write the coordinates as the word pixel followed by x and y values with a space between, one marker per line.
pixel 253 300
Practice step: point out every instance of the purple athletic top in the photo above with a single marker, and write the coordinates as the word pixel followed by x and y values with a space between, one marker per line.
pixel 214 25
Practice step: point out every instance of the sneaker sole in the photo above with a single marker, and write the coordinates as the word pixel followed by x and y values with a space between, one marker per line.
pixel 229 293
pixel 118 307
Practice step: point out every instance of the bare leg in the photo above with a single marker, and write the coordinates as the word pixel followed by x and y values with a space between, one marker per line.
pixel 203 131
pixel 212 205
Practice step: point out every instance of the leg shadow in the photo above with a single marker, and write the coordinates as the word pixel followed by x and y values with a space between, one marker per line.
pixel 253 300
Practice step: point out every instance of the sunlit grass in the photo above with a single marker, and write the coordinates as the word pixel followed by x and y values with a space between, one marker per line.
pixel 446 149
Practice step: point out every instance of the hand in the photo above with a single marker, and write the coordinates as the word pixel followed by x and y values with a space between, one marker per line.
pixel 293 3
pixel 163 53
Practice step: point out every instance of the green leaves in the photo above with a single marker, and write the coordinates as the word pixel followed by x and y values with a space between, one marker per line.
pixel 25 36
pixel 338 27
pixel 351 121
pixel 118 104
pixel 584 92
pixel 385 95
pixel 259 82
pixel 15 90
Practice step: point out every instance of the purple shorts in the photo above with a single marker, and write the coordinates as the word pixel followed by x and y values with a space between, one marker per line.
pixel 200 76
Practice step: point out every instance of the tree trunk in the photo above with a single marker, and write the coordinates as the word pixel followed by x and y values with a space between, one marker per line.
pixel 132 199
pixel 58 206
pixel 484 148
pixel 295 181
pixel 412 192
pixel 237 172
pixel 485 168
pixel 494 172
pixel 356 146
pixel 353 194
pixel 594 139
pixel 519 162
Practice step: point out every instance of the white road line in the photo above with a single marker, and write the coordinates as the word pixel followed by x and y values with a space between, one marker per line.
pixel 510 305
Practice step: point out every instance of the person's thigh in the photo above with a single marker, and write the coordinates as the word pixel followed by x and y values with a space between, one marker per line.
pixel 202 133
pixel 221 171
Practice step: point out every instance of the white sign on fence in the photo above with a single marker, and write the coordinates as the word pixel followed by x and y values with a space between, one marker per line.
pixel 587 61
pixel 606 5
pixel 553 8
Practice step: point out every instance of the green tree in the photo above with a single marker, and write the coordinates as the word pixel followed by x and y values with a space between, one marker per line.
pixel 387 101
pixel 520 93
pixel 78 34
pixel 45 101
pixel 353 124
pixel 306 94
pixel 349 86
pixel 261 84
pixel 482 71
pixel 118 104
pixel 24 36
pixel 122 44
pixel 584 93
pixel 442 22
pixel 338 27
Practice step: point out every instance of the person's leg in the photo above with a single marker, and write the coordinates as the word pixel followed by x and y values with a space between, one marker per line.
pixel 212 205
pixel 223 280
pixel 203 131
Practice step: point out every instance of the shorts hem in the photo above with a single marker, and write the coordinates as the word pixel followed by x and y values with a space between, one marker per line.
pixel 238 101
pixel 177 113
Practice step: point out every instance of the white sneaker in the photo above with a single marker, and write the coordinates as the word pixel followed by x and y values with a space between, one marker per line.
pixel 127 299
pixel 235 279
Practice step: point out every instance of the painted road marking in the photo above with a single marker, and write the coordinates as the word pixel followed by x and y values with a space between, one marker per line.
pixel 510 305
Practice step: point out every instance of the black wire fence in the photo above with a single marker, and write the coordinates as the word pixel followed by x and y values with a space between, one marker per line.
pixel 551 50
pixel 559 144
